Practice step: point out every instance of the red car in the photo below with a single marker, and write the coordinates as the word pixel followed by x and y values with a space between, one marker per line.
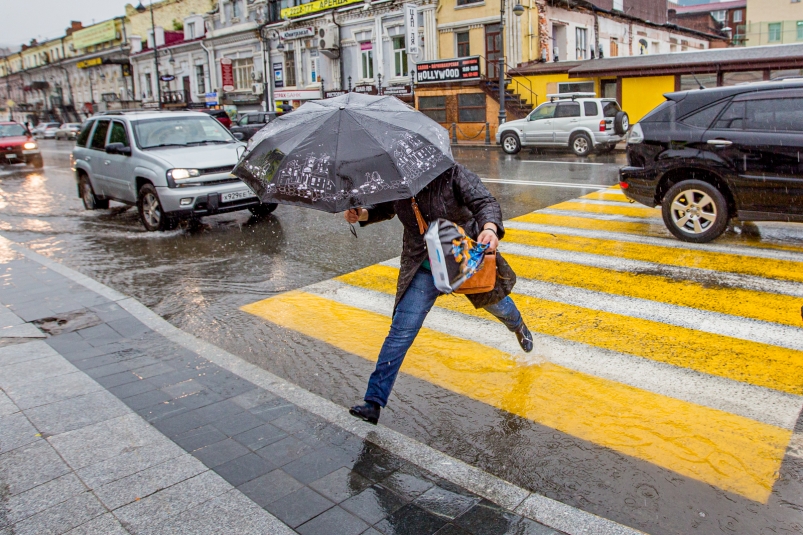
pixel 18 146
pixel 221 116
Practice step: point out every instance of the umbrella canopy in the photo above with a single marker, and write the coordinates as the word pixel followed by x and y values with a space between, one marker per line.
pixel 344 152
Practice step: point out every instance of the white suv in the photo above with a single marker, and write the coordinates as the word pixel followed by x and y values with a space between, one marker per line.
pixel 578 121
pixel 171 165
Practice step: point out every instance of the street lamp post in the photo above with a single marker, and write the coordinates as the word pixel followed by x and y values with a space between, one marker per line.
pixel 141 9
pixel 518 9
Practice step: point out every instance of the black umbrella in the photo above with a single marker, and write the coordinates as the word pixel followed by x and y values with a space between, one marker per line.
pixel 344 152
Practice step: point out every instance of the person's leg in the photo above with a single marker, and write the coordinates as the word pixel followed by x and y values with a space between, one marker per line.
pixel 507 312
pixel 407 320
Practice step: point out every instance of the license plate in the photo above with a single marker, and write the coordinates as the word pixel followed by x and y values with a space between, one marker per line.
pixel 237 195
pixel 11 156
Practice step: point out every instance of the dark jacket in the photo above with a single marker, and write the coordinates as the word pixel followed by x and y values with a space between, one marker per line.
pixel 459 196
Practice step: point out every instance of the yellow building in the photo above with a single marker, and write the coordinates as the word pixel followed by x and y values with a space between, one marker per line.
pixel 168 14
pixel 773 22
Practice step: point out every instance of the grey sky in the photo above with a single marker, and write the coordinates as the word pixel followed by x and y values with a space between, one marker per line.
pixel 21 21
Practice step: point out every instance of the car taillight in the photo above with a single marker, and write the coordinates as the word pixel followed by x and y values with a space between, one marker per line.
pixel 624 185
pixel 602 126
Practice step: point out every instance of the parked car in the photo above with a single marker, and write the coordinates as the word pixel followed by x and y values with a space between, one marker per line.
pixel 221 116
pixel 252 122
pixel 706 156
pixel 170 165
pixel 17 145
pixel 579 121
pixel 39 130
pixel 68 131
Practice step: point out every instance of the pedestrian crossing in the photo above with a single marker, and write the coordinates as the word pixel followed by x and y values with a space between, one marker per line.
pixel 687 357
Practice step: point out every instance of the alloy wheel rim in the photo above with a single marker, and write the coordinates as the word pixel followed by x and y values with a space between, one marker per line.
pixel 510 144
pixel 151 210
pixel 625 124
pixel 580 144
pixel 693 211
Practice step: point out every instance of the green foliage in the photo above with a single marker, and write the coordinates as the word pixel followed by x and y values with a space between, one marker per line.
pixel 178 25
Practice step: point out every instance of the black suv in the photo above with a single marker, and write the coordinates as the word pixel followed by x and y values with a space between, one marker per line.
pixel 709 155
pixel 252 122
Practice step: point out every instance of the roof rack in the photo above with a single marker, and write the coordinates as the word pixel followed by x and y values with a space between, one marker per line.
pixel 559 96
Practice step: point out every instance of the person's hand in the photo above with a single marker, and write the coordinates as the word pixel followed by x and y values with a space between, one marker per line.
pixel 489 236
pixel 356 214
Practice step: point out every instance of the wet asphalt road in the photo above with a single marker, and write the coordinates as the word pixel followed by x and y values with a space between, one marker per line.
pixel 199 277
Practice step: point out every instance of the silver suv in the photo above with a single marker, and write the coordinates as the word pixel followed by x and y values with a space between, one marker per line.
pixel 171 165
pixel 578 121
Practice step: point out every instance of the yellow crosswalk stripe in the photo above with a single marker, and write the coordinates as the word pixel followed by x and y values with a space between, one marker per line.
pixel 630 210
pixel 728 451
pixel 732 263
pixel 762 306
pixel 740 360
pixel 606 195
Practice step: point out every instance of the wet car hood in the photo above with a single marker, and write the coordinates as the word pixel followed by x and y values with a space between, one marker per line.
pixel 13 141
pixel 198 156
pixel 518 123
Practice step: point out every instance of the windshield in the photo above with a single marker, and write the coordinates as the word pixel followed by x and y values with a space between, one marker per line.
pixel 11 130
pixel 180 132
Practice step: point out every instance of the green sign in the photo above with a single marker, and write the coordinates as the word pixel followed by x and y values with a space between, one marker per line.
pixel 99 33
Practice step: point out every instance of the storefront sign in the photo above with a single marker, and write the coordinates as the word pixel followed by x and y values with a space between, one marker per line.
pixel 411 28
pixel 333 94
pixel 99 33
pixel 298 33
pixel 366 45
pixel 365 89
pixel 167 77
pixel 278 75
pixel 94 62
pixel 301 94
pixel 211 98
pixel 396 90
pixel 314 7
pixel 449 70
pixel 226 74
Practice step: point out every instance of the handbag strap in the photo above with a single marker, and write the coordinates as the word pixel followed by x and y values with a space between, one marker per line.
pixel 422 224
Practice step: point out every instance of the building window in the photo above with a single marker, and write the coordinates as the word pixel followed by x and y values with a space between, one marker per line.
pixel 775 32
pixel 200 79
pixel 467 2
pixel 614 48
pixel 470 108
pixel 800 30
pixel 719 15
pixel 737 15
pixel 367 61
pixel 618 5
pixel 290 68
pixel 433 107
pixel 190 30
pixel 236 9
pixel 581 43
pixel 744 77
pixel 399 56
pixel 575 87
pixel 463 47
pixel 243 70
pixel 148 85
pixel 688 81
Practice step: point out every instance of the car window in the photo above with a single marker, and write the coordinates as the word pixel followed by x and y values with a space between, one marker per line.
pixel 544 111
pixel 704 117
pixel 567 109
pixel 610 108
pixel 244 120
pixel 732 118
pixel 12 130
pixel 118 134
pixel 590 109
pixel 99 136
pixel 180 131
pixel 84 135
pixel 774 115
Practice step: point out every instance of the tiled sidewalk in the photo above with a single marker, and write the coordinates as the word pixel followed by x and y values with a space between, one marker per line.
pixel 111 427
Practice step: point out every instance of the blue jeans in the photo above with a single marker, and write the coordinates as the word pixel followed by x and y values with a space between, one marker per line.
pixel 410 313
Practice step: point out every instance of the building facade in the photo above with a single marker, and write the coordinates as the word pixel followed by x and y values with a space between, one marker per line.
pixel 720 18
pixel 774 22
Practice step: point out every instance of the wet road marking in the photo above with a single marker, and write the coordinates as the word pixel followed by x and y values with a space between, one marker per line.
pixel 608 195
pixel 549 184
pixel 560 162
pixel 731 452
pixel 602 207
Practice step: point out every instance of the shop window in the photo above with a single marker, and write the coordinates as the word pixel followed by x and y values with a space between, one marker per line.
pixel 463 46
pixel 470 108
pixel 290 68
pixel 736 78
pixel 433 107
pixel 575 87
pixel 367 60
pixel 775 32
pixel 399 56
pixel 688 82
pixel 581 43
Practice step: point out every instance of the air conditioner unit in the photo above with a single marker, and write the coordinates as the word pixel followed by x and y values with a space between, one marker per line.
pixel 256 89
pixel 328 37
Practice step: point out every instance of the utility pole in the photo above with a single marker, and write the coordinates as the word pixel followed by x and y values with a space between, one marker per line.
pixel 502 112
pixel 141 9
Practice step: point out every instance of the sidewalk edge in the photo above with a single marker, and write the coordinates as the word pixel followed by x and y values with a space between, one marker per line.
pixel 552 513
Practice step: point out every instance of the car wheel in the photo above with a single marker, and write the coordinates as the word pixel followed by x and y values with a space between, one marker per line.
pixel 37 162
pixel 263 209
pixel 91 202
pixel 581 144
pixel 621 123
pixel 511 143
pixel 150 210
pixel 695 211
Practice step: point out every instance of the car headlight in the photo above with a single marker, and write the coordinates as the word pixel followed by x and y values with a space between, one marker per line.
pixel 182 174
pixel 30 145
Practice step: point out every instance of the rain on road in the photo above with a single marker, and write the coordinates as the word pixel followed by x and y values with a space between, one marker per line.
pixel 665 388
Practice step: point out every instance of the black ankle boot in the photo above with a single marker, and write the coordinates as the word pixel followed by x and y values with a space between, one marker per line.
pixel 368 411
pixel 524 337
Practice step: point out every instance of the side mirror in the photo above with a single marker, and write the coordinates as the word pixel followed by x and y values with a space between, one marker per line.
pixel 118 148
pixel 238 135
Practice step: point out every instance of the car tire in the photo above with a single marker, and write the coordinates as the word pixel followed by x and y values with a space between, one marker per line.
pixel 91 202
pixel 581 144
pixel 150 210
pixel 36 162
pixel 621 123
pixel 263 209
pixel 510 143
pixel 695 211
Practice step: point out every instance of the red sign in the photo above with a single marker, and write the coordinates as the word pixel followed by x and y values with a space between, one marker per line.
pixel 226 74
